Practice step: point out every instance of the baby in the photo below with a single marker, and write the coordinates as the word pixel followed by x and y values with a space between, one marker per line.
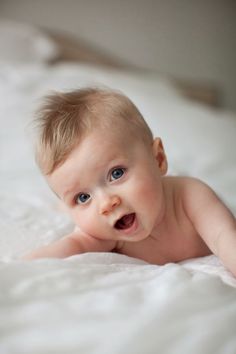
pixel 99 157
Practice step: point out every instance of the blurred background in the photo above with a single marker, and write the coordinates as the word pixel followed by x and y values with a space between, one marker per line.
pixel 188 40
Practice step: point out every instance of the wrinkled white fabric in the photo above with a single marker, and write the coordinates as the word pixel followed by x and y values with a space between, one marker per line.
pixel 108 303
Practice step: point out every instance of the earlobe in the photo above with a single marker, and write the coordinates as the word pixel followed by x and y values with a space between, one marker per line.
pixel 159 154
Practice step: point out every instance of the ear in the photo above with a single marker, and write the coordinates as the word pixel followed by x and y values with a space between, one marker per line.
pixel 159 155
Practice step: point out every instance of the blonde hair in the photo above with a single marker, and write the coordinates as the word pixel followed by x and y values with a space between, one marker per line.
pixel 66 117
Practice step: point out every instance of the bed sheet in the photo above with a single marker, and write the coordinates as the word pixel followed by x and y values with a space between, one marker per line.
pixel 108 303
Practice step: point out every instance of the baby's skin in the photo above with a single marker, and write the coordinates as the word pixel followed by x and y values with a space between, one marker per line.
pixel 120 199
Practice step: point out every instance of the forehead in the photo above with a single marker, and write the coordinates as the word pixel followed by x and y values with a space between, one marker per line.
pixel 92 154
pixel 104 144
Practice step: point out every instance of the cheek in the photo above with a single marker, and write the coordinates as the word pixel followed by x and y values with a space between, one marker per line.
pixel 146 192
pixel 144 186
pixel 83 218
pixel 148 198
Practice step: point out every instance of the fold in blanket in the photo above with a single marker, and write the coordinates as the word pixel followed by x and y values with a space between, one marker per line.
pixel 108 303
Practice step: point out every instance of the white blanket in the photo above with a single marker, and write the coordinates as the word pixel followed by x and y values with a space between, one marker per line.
pixel 108 303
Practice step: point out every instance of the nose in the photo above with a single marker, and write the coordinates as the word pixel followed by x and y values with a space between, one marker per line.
pixel 109 204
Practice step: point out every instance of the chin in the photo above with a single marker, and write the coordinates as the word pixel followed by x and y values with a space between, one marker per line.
pixel 134 238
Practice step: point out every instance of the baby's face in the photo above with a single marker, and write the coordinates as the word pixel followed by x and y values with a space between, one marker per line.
pixel 112 187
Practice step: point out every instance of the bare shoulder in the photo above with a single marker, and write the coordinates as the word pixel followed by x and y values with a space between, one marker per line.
pixel 197 196
pixel 191 186
pixel 187 185
pixel 192 191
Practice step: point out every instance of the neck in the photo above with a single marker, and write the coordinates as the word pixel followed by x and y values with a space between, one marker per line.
pixel 161 220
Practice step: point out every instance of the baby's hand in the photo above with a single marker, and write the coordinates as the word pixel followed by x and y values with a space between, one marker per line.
pixel 74 243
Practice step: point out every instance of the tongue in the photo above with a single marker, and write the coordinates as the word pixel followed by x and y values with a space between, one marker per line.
pixel 125 222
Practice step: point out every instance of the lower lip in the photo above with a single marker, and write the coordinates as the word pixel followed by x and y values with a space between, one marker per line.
pixel 132 228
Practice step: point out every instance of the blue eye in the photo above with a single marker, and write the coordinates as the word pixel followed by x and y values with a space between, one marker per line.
pixel 117 173
pixel 82 198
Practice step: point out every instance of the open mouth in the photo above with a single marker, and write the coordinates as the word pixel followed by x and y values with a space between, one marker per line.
pixel 125 222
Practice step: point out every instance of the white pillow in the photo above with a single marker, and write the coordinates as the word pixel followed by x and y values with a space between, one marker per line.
pixel 24 43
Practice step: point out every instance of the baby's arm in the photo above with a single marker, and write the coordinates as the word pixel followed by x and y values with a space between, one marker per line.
pixel 71 244
pixel 212 220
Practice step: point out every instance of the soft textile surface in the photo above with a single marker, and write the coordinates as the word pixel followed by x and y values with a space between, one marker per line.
pixel 103 303
pixel 107 303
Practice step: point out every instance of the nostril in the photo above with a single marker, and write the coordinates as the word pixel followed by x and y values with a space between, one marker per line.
pixel 109 205
pixel 106 208
pixel 104 212
pixel 114 204
pixel 116 201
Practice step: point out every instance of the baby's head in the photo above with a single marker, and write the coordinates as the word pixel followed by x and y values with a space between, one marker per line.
pixel 66 118
pixel 99 157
